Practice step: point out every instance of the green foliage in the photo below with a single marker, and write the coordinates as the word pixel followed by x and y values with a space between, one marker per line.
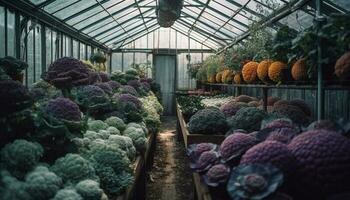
pixel 138 137
pixel 119 77
pixel 142 68
pixel 73 168
pixel 21 156
pixel 12 66
pixel 189 105
pixel 193 70
pixel 112 167
pixel 124 143
pixel 97 125
pixel 89 190
pixel 116 122
pixel 212 64
pixel 247 118
pixel 13 189
pixel 282 43
pixel 209 121
pixel 42 184
pixel 67 194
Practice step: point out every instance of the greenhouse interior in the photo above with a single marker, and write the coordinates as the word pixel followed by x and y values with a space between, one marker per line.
pixel 174 99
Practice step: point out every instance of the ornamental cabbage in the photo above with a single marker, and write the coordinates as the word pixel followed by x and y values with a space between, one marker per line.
pixel 248 119
pixel 118 76
pixel 254 181
pixel 66 73
pixel 128 100
pixel 205 161
pixel 97 125
pixel 113 130
pixel 270 152
pixel 112 166
pixel 127 89
pixel 14 97
pixel 105 87
pixel 194 151
pixel 138 138
pixel 208 121
pixel 323 161
pixel 42 184
pixel 13 67
pixel 89 190
pixel 67 194
pixel 124 143
pixel 73 168
pixel 93 100
pixel 21 156
pixel 231 108
pixel 116 122
pixel 216 175
pixel 63 109
pixel 13 189
pixel 235 145
pixel 104 76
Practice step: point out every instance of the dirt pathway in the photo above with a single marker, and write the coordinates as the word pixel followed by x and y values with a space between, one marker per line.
pixel 170 177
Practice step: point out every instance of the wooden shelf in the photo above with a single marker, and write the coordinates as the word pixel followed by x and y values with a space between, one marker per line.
pixel 201 190
pixel 305 87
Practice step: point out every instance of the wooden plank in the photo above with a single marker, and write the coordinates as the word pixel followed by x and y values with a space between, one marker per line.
pixel 149 147
pixel 201 189
pixel 138 170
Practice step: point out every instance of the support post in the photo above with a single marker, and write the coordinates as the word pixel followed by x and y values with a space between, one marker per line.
pixel 320 91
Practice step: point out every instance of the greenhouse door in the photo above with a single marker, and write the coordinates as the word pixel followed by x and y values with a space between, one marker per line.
pixel 165 66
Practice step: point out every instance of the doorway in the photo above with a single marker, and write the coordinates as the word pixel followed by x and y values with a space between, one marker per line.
pixel 165 75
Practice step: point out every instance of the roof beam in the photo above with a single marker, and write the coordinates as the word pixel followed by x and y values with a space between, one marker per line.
pixel 45 3
pixel 234 14
pixel 183 33
pixel 29 9
pixel 143 19
pixel 274 17
pixel 110 29
pixel 140 36
pixel 223 14
pixel 199 15
pixel 86 10
pixel 130 36
pixel 56 11
pixel 203 32
pixel 114 13
pixel 120 35
pixel 229 36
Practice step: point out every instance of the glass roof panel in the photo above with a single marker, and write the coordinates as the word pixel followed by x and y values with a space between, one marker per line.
pixel 36 2
pixel 58 5
pixel 342 3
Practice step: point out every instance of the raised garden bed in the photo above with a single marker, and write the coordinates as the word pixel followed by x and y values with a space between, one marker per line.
pixel 194 138
pixel 136 191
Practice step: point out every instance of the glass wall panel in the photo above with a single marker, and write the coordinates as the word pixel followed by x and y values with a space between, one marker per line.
pixel 55 45
pixel 75 49
pixel 68 47
pixel 2 32
pixel 128 60
pixel 30 53
pixel 88 52
pixel 117 63
pixel 37 56
pixel 48 47
pixel 11 41
pixel 82 52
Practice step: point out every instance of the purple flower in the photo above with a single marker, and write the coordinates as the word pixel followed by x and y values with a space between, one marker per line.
pixel 235 145
pixel 216 175
pixel 114 85
pixel 135 84
pixel 206 161
pixel 194 151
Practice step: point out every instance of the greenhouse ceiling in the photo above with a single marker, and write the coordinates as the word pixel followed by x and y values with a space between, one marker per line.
pixel 213 23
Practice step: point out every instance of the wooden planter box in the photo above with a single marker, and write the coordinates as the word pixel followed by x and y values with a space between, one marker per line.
pixel 137 190
pixel 194 138
pixel 139 182
pixel 203 192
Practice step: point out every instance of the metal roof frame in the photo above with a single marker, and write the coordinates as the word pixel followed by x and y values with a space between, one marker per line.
pixel 210 21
